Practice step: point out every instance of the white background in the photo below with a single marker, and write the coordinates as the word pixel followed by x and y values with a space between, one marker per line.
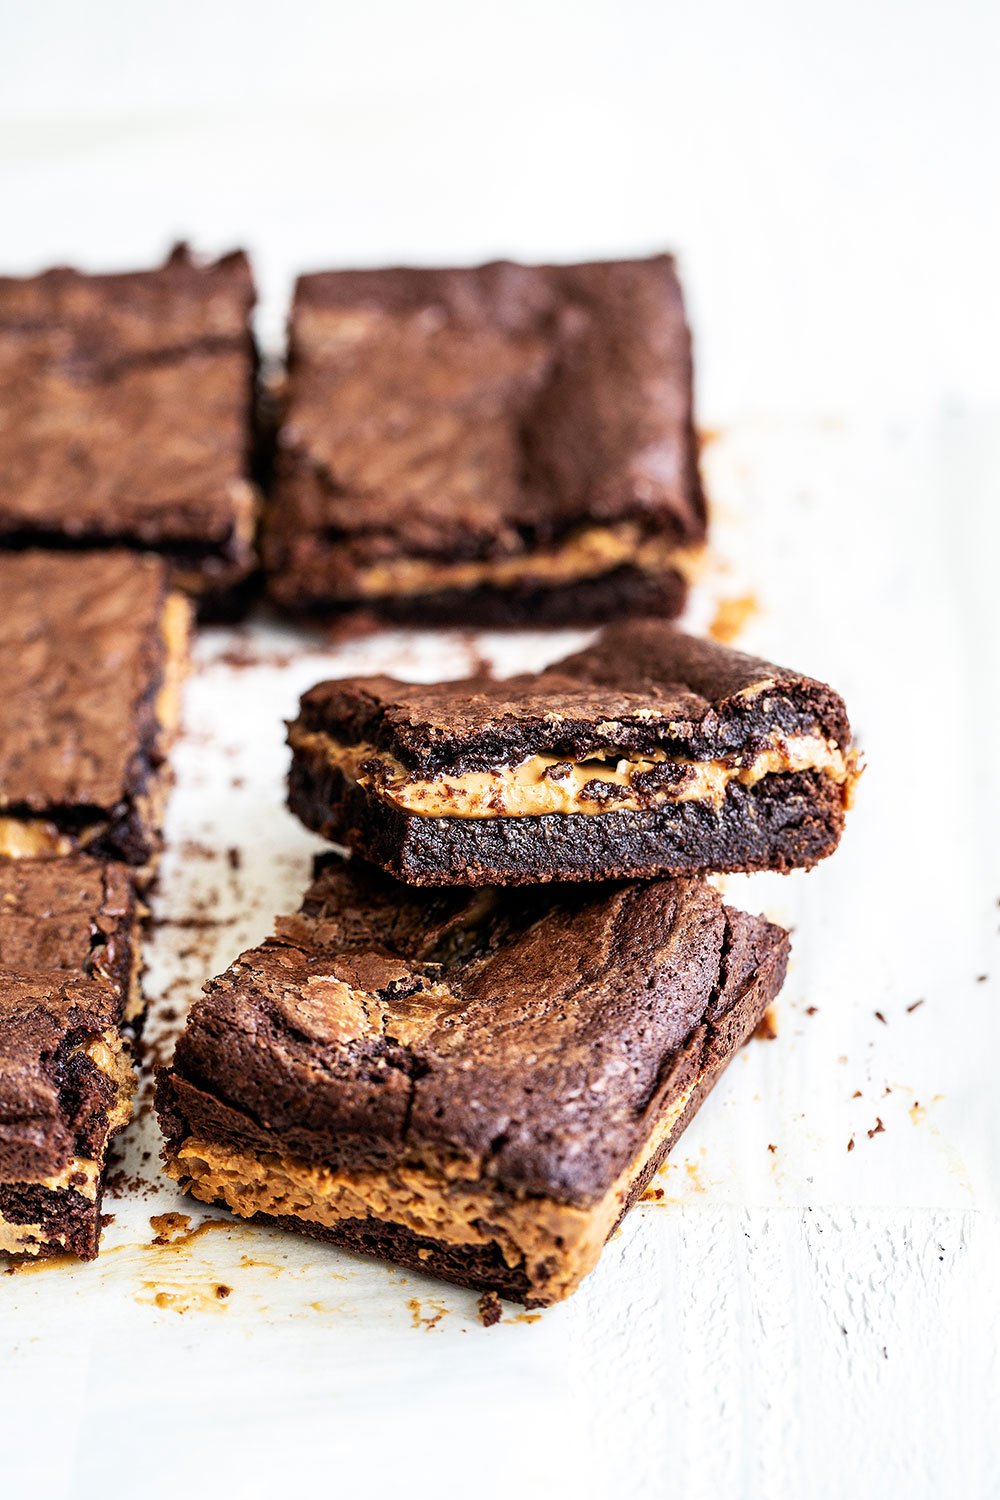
pixel 803 1321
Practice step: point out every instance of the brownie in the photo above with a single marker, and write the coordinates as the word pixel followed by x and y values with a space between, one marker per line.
pixel 472 1083
pixel 128 403
pixel 650 753
pixel 69 985
pixel 501 444
pixel 92 650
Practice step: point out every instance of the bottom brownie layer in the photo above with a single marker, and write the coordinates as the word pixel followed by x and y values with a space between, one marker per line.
pixel 587 601
pixel 783 822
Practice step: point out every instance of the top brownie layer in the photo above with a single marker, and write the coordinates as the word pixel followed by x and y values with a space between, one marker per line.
pixel 90 650
pixel 642 687
pixel 535 1035
pixel 128 411
pixel 482 414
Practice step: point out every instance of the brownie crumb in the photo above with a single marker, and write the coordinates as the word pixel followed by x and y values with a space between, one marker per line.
pixel 772 1148
pixel 876 1129
pixel 767 1027
pixel 880 1017
pixel 222 1291
pixel 915 1006
pixel 812 1010
pixel 235 858
pixel 489 1309
pixel 850 1144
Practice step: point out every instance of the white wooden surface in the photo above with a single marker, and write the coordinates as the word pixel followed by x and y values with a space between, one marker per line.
pixel 805 1320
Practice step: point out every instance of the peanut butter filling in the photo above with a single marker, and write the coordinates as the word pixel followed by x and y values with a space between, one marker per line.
pixel 587 553
pixel 607 781
pixel 555 1243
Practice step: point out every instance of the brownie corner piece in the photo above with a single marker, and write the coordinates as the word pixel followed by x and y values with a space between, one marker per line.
pixel 130 400
pixel 650 753
pixel 93 649
pixel 502 444
pixel 494 1076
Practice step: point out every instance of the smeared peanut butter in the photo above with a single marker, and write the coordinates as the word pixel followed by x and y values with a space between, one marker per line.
pixel 556 1244
pixel 609 781
pixel 587 553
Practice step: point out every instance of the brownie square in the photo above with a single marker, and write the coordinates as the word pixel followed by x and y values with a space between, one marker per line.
pixel 504 444
pixel 476 1084
pixel 92 651
pixel 69 983
pixel 650 753
pixel 127 404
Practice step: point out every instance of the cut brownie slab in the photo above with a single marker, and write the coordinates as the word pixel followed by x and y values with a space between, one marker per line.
pixel 651 753
pixel 69 983
pixel 127 404
pixel 477 1084
pixel 499 444
pixel 92 652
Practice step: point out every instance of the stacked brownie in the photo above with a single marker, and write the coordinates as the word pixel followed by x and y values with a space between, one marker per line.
pixel 477 1072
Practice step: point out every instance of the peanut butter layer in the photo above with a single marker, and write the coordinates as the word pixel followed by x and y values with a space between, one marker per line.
pixel 555 1244
pixel 606 781
pixel 588 553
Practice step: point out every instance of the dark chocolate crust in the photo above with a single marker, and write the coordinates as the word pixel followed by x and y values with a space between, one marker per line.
pixel 540 1034
pixel 82 661
pixel 642 688
pixel 482 415
pixel 130 400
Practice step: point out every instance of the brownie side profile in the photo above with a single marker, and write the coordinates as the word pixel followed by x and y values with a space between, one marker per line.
pixel 129 402
pixel 93 648
pixel 69 985
pixel 495 444
pixel 651 753
pixel 476 1082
